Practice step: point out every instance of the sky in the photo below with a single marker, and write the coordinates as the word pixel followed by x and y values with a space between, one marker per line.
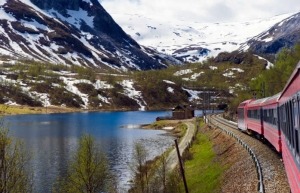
pixel 203 10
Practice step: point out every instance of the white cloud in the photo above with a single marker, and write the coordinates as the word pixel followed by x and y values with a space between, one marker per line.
pixel 203 10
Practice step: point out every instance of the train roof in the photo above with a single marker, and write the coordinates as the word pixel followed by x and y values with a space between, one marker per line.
pixel 257 101
pixel 272 99
pixel 290 81
pixel 244 103
pixel 265 101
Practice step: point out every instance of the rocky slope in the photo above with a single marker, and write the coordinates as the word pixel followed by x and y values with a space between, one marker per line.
pixel 71 32
pixel 285 33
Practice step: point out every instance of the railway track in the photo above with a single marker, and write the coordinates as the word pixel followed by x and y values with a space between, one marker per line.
pixel 270 169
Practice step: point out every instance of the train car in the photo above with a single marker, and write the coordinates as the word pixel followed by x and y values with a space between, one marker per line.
pixel 242 115
pixel 270 116
pixel 254 122
pixel 290 125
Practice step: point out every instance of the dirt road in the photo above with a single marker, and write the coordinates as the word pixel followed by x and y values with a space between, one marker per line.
pixel 172 159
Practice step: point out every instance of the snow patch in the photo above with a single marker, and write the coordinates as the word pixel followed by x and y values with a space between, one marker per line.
pixel 70 86
pixel 168 82
pixel 12 103
pixel 213 67
pixel 268 39
pixel 130 91
pixel 103 99
pixel 183 72
pixel 194 94
pixel 170 90
pixel 229 74
pixel 269 64
pixel 237 69
pixel 196 75
pixel 102 85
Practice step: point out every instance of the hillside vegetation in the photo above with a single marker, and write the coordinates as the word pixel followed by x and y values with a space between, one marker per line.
pixel 42 84
pixel 276 78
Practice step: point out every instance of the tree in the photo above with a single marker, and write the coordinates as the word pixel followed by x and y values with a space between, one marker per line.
pixel 276 77
pixel 140 168
pixel 88 171
pixel 15 175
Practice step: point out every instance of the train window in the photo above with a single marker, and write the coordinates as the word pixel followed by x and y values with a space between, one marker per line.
pixel 287 122
pixel 298 145
pixel 297 141
pixel 292 137
pixel 275 117
pixel 296 114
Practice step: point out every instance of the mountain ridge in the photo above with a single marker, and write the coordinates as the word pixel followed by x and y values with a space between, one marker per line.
pixel 193 41
pixel 284 34
pixel 86 35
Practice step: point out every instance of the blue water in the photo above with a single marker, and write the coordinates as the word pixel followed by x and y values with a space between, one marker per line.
pixel 52 140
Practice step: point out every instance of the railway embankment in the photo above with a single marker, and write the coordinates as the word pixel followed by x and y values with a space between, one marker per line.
pixel 263 168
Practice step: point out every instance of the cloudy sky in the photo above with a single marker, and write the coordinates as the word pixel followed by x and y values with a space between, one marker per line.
pixel 204 10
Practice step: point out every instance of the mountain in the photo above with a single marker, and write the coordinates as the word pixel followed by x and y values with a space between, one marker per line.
pixel 192 41
pixel 77 32
pixel 285 33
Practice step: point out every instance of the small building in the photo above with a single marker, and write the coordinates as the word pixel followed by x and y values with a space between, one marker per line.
pixel 183 112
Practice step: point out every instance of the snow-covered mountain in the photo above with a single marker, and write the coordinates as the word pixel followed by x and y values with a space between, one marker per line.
pixel 283 34
pixel 72 32
pixel 192 41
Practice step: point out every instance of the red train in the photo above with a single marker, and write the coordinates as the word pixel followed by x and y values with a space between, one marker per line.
pixel 277 120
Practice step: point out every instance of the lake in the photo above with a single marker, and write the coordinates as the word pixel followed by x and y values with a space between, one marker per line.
pixel 53 138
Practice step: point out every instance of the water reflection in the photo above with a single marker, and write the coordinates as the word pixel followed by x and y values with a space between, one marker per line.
pixel 53 138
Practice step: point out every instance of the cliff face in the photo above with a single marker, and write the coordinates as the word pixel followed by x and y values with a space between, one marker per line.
pixel 72 32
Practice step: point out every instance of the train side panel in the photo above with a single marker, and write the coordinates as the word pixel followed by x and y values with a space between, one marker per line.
pixel 273 136
pixel 291 168
pixel 290 127
pixel 255 125
pixel 254 115
pixel 271 127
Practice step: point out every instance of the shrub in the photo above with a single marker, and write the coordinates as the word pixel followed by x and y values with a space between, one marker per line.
pixel 88 170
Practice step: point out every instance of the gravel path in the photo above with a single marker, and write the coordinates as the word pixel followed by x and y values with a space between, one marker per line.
pixel 274 176
pixel 172 159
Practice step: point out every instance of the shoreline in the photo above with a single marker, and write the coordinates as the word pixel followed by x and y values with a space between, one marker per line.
pixel 24 110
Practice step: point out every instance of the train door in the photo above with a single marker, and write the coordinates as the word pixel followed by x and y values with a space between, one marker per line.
pixel 241 118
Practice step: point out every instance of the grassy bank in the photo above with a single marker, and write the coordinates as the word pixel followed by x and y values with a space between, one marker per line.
pixel 16 110
pixel 203 172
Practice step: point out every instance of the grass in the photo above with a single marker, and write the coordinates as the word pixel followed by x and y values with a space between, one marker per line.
pixel 16 110
pixel 203 173
pixel 13 110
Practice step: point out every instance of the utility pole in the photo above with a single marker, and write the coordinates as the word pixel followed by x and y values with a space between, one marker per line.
pixel 181 167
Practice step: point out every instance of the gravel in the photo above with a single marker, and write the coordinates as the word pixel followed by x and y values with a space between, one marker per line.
pixel 274 176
